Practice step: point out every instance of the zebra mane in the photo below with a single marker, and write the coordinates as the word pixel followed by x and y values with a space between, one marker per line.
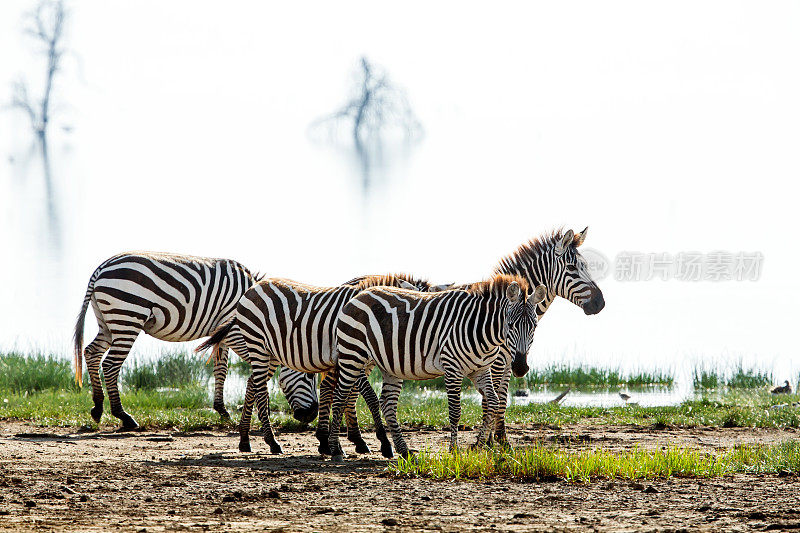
pixel 497 284
pixel 519 259
pixel 375 280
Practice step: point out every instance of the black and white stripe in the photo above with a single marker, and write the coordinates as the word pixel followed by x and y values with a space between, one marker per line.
pixel 282 322
pixel 555 262
pixel 170 297
pixel 413 335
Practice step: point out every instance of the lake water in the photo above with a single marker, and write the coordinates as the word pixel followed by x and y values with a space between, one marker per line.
pixel 674 134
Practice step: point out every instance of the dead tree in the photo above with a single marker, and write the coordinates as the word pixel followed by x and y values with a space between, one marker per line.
pixel 46 26
pixel 376 110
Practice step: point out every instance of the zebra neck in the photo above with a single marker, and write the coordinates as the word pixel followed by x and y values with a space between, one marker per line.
pixel 537 271
pixel 490 315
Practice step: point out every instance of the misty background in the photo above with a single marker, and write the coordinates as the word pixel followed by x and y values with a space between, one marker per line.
pixel 190 128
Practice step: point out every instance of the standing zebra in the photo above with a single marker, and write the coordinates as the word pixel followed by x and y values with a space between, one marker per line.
pixel 170 297
pixel 282 322
pixel 554 261
pixel 412 335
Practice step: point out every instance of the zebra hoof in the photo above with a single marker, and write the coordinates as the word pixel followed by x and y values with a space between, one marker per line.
pixel 97 413
pixel 275 448
pixel 324 448
pixel 337 458
pixel 244 446
pixel 386 450
pixel 362 448
pixel 128 422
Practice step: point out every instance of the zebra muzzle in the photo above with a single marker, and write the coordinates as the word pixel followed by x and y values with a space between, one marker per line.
pixel 306 414
pixel 519 366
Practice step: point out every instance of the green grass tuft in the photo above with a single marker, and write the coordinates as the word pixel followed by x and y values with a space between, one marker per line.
pixel 712 379
pixel 170 370
pixel 21 373
pixel 545 463
pixel 583 377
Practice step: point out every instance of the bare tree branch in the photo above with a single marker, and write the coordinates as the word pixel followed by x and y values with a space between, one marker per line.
pixel 46 25
pixel 376 107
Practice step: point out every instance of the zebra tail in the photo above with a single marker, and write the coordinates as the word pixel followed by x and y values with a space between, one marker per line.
pixel 78 336
pixel 214 341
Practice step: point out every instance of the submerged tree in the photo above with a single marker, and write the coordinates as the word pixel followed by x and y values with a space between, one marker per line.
pixel 46 26
pixel 377 110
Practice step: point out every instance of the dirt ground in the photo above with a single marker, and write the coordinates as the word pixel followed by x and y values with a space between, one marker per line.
pixel 61 479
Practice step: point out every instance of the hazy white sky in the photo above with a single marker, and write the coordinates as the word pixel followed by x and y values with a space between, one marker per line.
pixel 665 127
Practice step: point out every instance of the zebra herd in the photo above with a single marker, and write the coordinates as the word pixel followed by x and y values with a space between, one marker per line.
pixel 404 326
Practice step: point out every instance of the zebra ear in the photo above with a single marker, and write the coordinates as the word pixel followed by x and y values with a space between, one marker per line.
pixel 580 237
pixel 538 295
pixel 441 287
pixel 561 246
pixel 513 292
pixel 406 285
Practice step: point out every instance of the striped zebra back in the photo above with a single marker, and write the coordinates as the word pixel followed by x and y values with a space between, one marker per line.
pixel 414 335
pixel 297 321
pixel 188 296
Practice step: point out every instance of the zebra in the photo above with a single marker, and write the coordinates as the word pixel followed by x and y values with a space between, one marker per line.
pixel 282 322
pixel 554 261
pixel 413 335
pixel 170 297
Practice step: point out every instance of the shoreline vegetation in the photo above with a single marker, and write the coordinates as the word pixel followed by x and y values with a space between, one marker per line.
pixel 546 463
pixel 173 391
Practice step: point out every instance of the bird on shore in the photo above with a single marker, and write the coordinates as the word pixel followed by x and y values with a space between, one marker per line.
pixel 784 389
pixel 625 396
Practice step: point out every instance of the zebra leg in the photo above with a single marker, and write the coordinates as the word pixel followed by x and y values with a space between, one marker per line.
pixel 344 384
pixel 350 414
pixel 93 354
pixel 325 397
pixel 120 348
pixel 247 415
pixel 452 382
pixel 389 395
pixel 483 381
pixel 501 388
pixel 220 373
pixel 375 409
pixel 261 377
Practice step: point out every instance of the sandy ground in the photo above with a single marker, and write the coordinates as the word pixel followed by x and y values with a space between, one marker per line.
pixel 62 479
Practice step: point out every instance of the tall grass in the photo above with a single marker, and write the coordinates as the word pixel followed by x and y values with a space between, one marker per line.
pixel 581 377
pixel 592 377
pixel 31 373
pixel 539 462
pixel 739 378
pixel 169 370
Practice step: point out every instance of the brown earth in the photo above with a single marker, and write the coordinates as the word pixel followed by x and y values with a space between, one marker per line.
pixel 60 479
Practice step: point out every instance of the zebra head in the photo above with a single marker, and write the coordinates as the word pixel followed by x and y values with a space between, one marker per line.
pixel 555 261
pixel 521 323
pixel 569 274
pixel 300 390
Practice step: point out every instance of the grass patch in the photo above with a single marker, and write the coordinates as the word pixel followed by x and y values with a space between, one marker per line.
pixel 184 409
pixel 170 370
pixel 32 373
pixel 546 463
pixel 740 378
pixel 582 377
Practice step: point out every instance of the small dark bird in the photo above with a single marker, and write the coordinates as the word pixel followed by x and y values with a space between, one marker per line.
pixel 624 396
pixel 784 389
